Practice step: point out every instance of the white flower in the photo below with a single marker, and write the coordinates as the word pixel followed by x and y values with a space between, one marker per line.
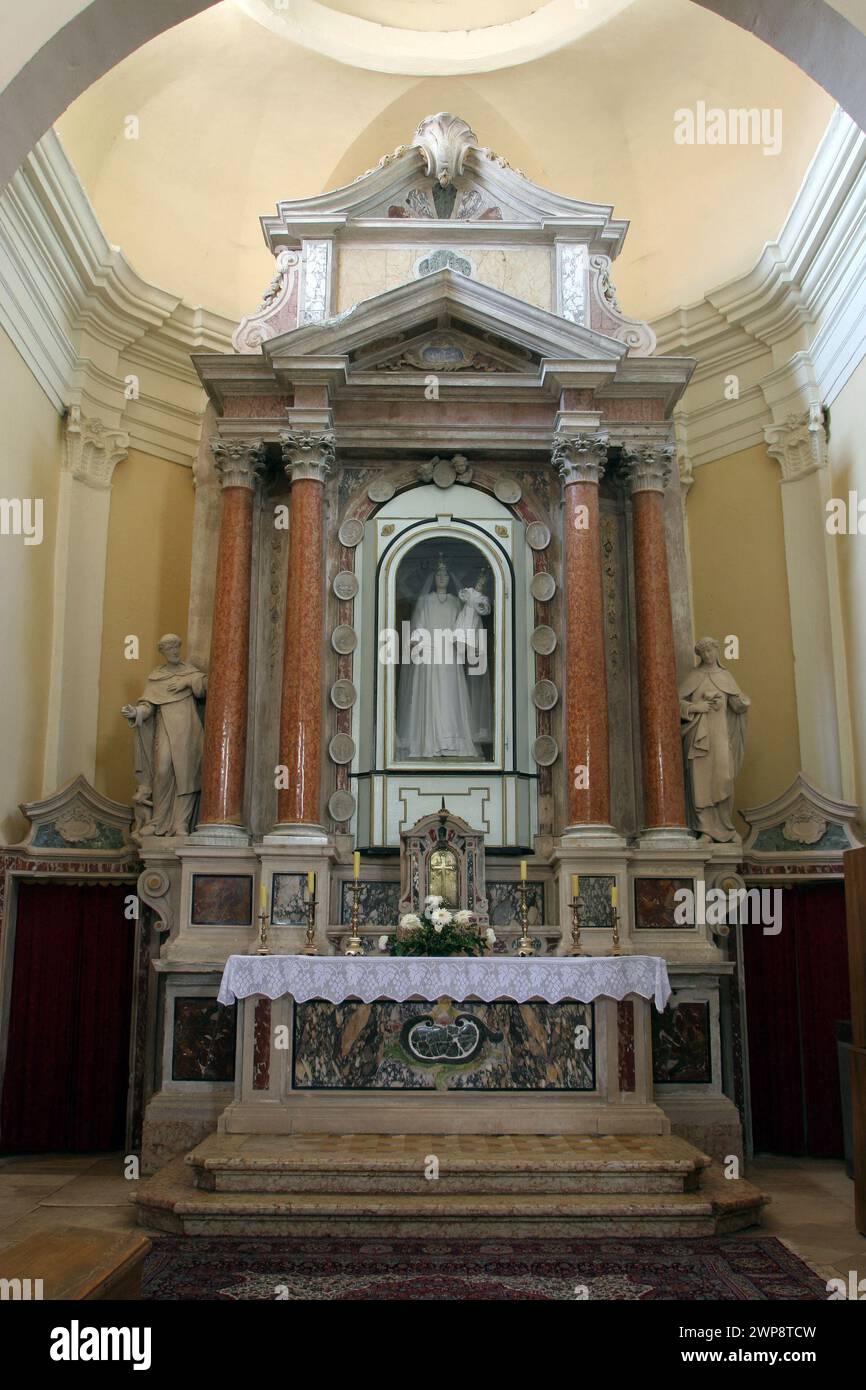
pixel 383 943
pixel 432 901
pixel 490 936
pixel 440 917
pixel 410 922
pixel 464 918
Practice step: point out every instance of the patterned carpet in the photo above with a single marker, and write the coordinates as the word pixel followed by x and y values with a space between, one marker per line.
pixel 724 1267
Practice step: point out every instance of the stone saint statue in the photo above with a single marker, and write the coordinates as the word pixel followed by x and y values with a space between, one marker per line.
pixel 434 713
pixel 476 606
pixel 713 711
pixel 168 744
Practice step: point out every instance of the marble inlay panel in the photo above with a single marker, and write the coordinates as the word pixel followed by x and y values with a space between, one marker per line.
pixel 595 891
pixel 654 904
pixel 504 901
pixel 289 900
pixel 203 1044
pixel 682 1044
pixel 378 904
pixel 447 1046
pixel 222 900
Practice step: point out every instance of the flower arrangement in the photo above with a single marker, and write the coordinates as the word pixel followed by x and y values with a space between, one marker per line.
pixel 440 932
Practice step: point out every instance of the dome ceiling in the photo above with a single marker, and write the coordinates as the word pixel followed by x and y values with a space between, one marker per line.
pixel 231 117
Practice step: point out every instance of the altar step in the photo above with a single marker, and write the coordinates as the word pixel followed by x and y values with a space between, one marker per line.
pixel 467 1163
pixel 497 1185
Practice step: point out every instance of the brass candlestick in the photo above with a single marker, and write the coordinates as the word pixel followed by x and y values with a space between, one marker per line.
pixel 310 948
pixel 264 921
pixel 577 910
pixel 524 945
pixel 617 949
pixel 354 946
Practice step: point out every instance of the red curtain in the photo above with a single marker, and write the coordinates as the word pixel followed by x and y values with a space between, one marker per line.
pixel 67 1060
pixel 796 989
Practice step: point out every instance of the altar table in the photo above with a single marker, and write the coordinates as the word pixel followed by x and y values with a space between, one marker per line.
pixel 444 1045
pixel 340 978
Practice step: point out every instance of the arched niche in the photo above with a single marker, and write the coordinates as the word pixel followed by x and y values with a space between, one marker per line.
pixel 494 788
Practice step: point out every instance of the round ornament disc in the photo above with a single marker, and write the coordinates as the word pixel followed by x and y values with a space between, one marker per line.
pixel 545 750
pixel 543 640
pixel 537 535
pixel 341 749
pixel 545 695
pixel 341 806
pixel 543 586
pixel 351 532
pixel 345 584
pixel 344 639
pixel 343 694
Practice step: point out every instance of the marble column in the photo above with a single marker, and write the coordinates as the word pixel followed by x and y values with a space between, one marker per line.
pixel 581 460
pixel 647 470
pixel 239 463
pixel 307 458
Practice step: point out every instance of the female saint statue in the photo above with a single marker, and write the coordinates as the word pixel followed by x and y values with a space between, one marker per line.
pixel 434 715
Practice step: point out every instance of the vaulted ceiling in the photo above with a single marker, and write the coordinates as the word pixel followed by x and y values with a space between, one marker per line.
pixel 232 116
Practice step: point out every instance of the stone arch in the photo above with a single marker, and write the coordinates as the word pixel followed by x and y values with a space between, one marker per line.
pixel 102 33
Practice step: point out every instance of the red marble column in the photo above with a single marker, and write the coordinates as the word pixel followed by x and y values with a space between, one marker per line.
pixel 239 463
pixel 308 458
pixel 581 460
pixel 648 470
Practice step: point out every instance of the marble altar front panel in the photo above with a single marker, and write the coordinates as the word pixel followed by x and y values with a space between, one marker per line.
pixel 448 1046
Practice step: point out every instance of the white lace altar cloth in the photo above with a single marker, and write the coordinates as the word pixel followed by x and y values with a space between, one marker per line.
pixel 552 979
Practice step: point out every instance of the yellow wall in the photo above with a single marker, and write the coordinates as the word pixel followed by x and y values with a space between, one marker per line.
pixel 740 587
pixel 29 467
pixel 146 595
pixel 848 473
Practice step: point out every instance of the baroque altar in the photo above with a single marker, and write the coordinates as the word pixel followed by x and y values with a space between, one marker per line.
pixel 439 554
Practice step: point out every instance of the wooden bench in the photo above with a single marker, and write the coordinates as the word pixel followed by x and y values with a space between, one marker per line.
pixel 75 1262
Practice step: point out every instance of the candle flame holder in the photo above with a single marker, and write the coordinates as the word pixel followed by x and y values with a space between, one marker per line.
pixel 617 949
pixel 264 922
pixel 310 948
pixel 354 946
pixel 577 910
pixel 525 945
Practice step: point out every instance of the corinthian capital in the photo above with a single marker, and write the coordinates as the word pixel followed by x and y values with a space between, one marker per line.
pixel 648 468
pixel 93 451
pixel 308 455
pixel 239 462
pixel 579 458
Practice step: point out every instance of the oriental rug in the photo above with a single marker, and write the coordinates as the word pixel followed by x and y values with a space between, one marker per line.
pixel 757 1268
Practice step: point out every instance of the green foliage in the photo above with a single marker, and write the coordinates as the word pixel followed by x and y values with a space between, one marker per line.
pixel 450 941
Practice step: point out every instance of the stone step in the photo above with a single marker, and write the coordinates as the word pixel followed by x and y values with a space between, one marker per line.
pixel 468 1164
pixel 170 1202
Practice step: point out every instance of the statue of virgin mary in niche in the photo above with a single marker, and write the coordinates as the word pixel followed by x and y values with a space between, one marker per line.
pixel 435 714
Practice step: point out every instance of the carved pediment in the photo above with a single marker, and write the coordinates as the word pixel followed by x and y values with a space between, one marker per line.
pixel 802 822
pixel 453 308
pixel 445 351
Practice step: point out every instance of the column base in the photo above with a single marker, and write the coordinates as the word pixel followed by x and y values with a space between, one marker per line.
pixel 296 833
pixel 592 837
pixel 220 835
pixel 666 837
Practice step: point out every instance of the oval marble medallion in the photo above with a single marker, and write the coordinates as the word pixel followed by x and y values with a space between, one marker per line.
pixel 543 586
pixel 344 639
pixel 543 640
pixel 537 535
pixel 508 490
pixel 544 695
pixel 341 749
pixel 545 750
pixel 345 584
pixel 343 694
pixel 380 490
pixel 341 806
pixel 351 532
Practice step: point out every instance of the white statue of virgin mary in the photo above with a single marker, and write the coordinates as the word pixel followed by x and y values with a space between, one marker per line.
pixel 434 716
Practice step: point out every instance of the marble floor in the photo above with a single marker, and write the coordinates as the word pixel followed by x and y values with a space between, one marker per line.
pixel 811 1208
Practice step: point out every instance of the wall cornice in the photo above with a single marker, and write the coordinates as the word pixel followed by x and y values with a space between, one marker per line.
pixel 792 329
pixel 95 334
